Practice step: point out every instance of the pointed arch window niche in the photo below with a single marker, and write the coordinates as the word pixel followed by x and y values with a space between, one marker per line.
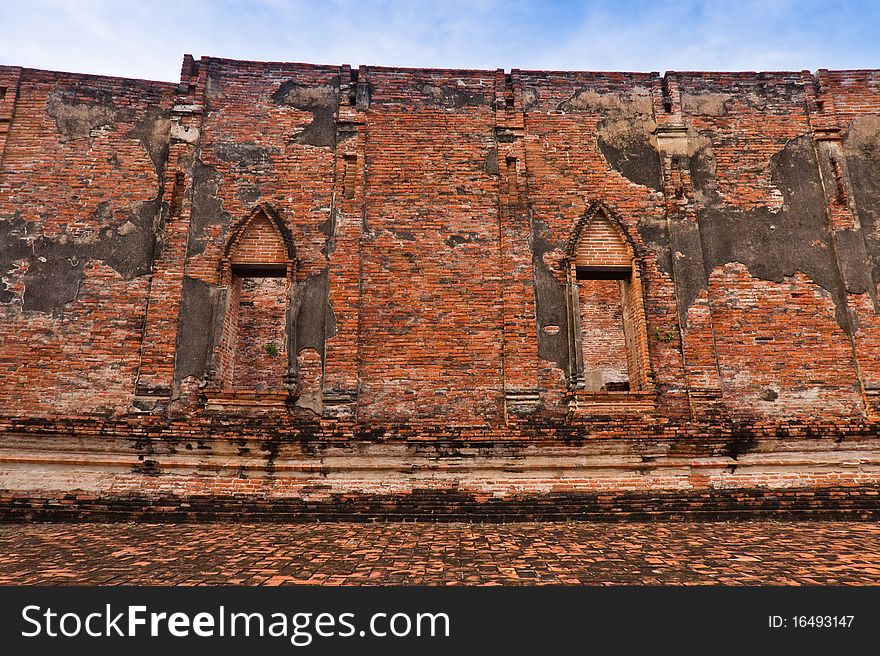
pixel 609 367
pixel 254 356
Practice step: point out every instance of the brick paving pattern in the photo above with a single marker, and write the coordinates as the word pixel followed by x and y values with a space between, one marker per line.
pixel 747 553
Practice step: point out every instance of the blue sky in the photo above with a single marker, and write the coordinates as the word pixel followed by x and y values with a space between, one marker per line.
pixel 147 38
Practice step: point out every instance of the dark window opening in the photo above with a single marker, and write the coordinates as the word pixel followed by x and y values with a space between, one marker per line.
pixel 604 273
pixel 260 270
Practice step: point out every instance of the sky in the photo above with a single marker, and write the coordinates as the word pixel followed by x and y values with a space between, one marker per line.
pixel 147 38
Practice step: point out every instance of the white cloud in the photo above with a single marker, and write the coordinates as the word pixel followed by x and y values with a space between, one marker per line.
pixel 148 39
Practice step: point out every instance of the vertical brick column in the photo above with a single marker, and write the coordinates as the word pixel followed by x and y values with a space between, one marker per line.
pixel 340 391
pixel 156 370
pixel 697 332
pixel 520 336
pixel 847 237
pixel 9 80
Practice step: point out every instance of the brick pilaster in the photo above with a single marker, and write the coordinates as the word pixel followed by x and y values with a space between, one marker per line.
pixel 520 338
pixel 9 81
pixel 156 370
pixel 697 332
pixel 340 390
pixel 847 235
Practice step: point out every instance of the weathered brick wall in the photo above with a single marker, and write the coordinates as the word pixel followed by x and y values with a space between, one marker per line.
pixel 847 104
pixel 778 306
pixel 267 137
pixel 419 233
pixel 80 209
pixel 259 243
pixel 587 138
pixel 601 245
pixel 431 306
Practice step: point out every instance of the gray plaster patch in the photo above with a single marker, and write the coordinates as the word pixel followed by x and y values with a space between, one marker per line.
pixel 530 99
pixel 321 100
pixel 56 266
pixel 457 240
pixel 452 96
pixel 704 104
pixel 625 131
pixel 862 147
pixel 248 156
pixel 194 339
pixel 490 164
pixel 15 244
pixel 328 227
pixel 656 238
pixel 689 266
pixel 153 133
pixel 635 102
pixel 52 282
pixel 626 145
pixel 207 209
pixel 80 111
pixel 550 303
pixel 313 320
pixel 248 194
pixel 771 243
pixel 405 235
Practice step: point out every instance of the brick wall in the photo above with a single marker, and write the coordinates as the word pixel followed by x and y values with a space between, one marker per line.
pixel 259 243
pixel 80 204
pixel 430 326
pixel 418 227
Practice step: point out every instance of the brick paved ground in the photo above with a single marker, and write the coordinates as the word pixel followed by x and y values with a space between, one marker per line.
pixel 766 552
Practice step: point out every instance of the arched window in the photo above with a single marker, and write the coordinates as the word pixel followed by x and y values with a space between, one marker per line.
pixel 608 346
pixel 255 352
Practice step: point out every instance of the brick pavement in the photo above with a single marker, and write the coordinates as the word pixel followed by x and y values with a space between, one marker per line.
pixel 760 552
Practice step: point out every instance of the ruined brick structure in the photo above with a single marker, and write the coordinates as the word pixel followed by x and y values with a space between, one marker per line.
pixel 287 290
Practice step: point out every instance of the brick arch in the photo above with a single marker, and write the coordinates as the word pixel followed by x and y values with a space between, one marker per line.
pixel 599 222
pixel 261 237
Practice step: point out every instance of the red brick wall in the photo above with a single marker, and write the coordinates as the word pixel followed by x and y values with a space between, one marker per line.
pixel 851 106
pixel 259 243
pixel 431 303
pixel 430 309
pixel 78 192
pixel 781 368
pixel 426 217
pixel 772 342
